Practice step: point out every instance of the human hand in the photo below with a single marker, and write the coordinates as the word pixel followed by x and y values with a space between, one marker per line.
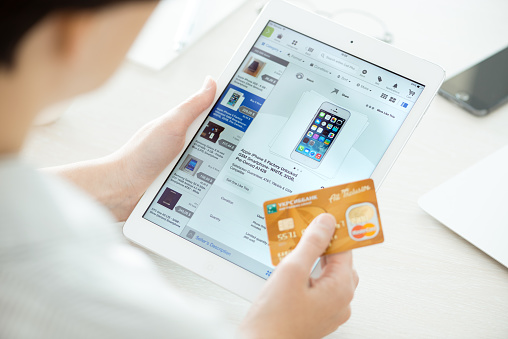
pixel 293 305
pixel 118 180
pixel 156 144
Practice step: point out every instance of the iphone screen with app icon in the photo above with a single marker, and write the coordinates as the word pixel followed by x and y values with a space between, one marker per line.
pixel 320 134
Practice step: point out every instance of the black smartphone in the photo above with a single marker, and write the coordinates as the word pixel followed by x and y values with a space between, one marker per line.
pixel 212 132
pixel 191 164
pixel 233 99
pixel 481 88
pixel 253 67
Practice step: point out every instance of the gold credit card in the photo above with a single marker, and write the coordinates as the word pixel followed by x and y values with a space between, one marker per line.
pixel 354 206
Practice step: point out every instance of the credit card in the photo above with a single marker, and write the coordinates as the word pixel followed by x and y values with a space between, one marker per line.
pixel 354 206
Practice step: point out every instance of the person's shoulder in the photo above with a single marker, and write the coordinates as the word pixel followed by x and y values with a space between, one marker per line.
pixel 68 277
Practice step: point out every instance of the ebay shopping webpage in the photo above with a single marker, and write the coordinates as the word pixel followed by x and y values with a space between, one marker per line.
pixel 298 115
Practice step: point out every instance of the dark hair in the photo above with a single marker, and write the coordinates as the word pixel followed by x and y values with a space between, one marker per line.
pixel 17 17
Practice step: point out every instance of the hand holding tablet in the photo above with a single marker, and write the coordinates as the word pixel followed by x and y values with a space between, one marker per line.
pixel 303 104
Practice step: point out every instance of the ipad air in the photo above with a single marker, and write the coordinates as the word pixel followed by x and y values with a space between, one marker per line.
pixel 303 104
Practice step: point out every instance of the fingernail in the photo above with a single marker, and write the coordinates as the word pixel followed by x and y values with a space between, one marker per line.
pixel 207 84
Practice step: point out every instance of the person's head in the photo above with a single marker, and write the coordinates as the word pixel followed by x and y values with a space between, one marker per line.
pixel 54 49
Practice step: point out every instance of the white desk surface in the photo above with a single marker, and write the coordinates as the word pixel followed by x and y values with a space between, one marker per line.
pixel 424 281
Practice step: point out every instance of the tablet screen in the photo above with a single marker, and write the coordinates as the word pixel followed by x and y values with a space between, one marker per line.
pixel 297 115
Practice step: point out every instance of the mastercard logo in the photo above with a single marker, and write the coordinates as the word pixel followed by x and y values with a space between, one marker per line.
pixel 362 231
pixel 362 221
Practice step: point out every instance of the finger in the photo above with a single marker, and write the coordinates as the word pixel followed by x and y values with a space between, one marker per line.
pixel 190 109
pixel 344 258
pixel 339 271
pixel 314 241
pixel 337 264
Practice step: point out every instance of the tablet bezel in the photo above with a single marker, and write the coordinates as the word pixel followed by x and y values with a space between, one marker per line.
pixel 218 270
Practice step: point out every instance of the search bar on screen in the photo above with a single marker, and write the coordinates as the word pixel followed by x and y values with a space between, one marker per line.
pixel 337 62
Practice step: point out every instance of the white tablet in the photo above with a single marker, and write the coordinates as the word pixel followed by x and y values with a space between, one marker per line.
pixel 304 103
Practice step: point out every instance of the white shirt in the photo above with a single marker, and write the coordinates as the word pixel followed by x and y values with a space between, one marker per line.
pixel 65 272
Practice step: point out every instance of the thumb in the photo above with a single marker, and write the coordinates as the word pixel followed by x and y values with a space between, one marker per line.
pixel 190 109
pixel 314 241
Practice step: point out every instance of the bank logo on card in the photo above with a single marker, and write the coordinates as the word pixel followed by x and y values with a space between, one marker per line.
pixel 272 208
